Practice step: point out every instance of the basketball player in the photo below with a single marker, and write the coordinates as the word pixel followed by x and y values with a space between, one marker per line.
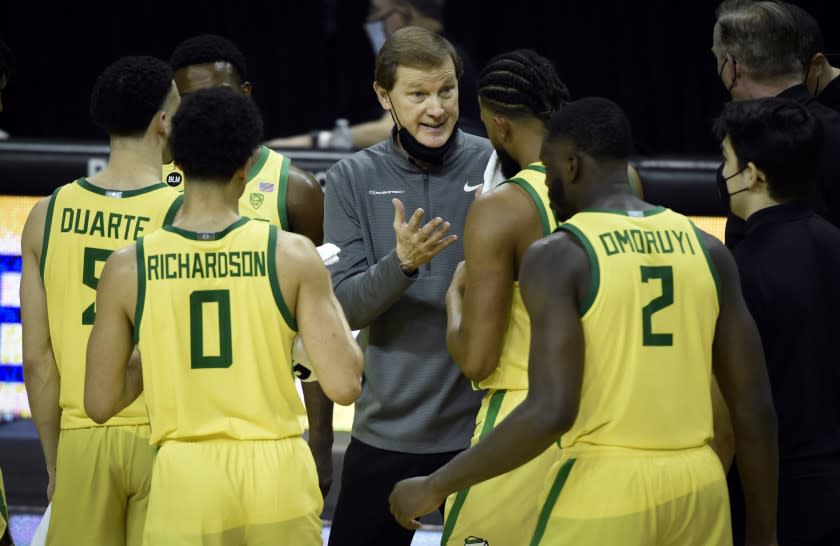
pixel 488 331
pixel 631 308
pixel 98 475
pixel 277 191
pixel 214 302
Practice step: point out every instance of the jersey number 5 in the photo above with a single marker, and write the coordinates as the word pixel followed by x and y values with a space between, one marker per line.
pixel 89 278
pixel 220 347
pixel 666 275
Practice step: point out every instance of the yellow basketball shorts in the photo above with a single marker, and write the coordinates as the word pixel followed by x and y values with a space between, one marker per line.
pixel 234 492
pixel 635 497
pixel 498 511
pixel 102 481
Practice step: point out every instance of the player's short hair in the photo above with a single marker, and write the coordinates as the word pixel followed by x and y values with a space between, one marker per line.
pixel 128 94
pixel 413 47
pixel 7 60
pixel 209 48
pixel 781 137
pixel 214 132
pixel 597 126
pixel 810 34
pixel 762 36
pixel 522 82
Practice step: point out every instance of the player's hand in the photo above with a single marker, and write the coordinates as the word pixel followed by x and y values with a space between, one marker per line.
pixel 417 245
pixel 323 464
pixel 413 498
pixel 50 484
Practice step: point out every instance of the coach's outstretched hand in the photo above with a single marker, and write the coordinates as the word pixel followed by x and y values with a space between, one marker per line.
pixel 413 498
pixel 417 245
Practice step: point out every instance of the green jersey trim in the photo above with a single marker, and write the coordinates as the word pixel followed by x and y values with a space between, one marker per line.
pixel 275 281
pixel 84 183
pixel 141 289
pixel 535 197
pixel 213 236
pixel 282 211
pixel 259 164
pixel 709 260
pixel 631 213
pixel 173 210
pixel 595 282
pixel 45 243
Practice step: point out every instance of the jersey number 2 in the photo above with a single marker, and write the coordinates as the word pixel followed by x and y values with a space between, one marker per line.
pixel 666 275
pixel 222 356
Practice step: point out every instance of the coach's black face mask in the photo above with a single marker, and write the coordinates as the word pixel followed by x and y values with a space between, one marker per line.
pixel 418 150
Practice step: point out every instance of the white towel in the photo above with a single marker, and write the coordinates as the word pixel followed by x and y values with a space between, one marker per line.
pixel 329 253
pixel 493 173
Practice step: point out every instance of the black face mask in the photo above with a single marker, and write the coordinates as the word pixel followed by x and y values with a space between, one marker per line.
pixel 416 149
pixel 723 191
pixel 508 164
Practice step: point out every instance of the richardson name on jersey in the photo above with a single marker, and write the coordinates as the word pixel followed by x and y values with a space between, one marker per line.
pixel 205 265
pixel 643 241
pixel 109 225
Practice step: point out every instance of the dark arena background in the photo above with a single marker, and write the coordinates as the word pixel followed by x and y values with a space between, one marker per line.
pixel 310 62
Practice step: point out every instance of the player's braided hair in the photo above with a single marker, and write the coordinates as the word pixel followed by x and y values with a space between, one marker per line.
pixel 522 82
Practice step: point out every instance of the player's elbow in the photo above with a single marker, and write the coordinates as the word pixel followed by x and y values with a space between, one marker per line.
pixel 96 408
pixel 555 415
pixel 477 371
pixel 349 388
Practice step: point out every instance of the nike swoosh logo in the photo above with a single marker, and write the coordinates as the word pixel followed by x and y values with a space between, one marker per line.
pixel 468 188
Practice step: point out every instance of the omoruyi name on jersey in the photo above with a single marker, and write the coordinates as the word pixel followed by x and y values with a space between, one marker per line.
pixel 645 241
pixel 205 265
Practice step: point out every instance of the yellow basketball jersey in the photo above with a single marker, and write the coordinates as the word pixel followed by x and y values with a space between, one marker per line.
pixel 215 335
pixel 512 371
pixel 648 323
pixel 84 224
pixel 264 197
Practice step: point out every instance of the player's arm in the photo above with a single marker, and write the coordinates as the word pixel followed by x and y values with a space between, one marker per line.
pixel 305 208
pixel 40 372
pixel 478 299
pixel 305 205
pixel 111 383
pixel 332 349
pixel 553 279
pixel 738 364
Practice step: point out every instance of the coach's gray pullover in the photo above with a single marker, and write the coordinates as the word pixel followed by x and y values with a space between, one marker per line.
pixel 414 398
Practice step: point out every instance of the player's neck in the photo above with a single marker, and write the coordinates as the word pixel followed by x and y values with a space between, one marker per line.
pixel 615 193
pixel 208 207
pixel 134 163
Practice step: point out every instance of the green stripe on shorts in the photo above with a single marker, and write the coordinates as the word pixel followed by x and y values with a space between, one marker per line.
pixel 461 497
pixel 551 500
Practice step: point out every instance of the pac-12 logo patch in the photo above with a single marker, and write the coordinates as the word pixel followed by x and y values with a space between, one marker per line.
pixel 174 179
pixel 257 200
pixel 475 541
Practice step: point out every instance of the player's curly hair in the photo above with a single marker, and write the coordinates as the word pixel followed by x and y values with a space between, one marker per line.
pixel 128 93
pixel 597 126
pixel 214 132
pixel 522 82
pixel 209 48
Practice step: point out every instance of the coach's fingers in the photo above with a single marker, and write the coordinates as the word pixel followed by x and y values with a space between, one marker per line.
pixel 399 212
